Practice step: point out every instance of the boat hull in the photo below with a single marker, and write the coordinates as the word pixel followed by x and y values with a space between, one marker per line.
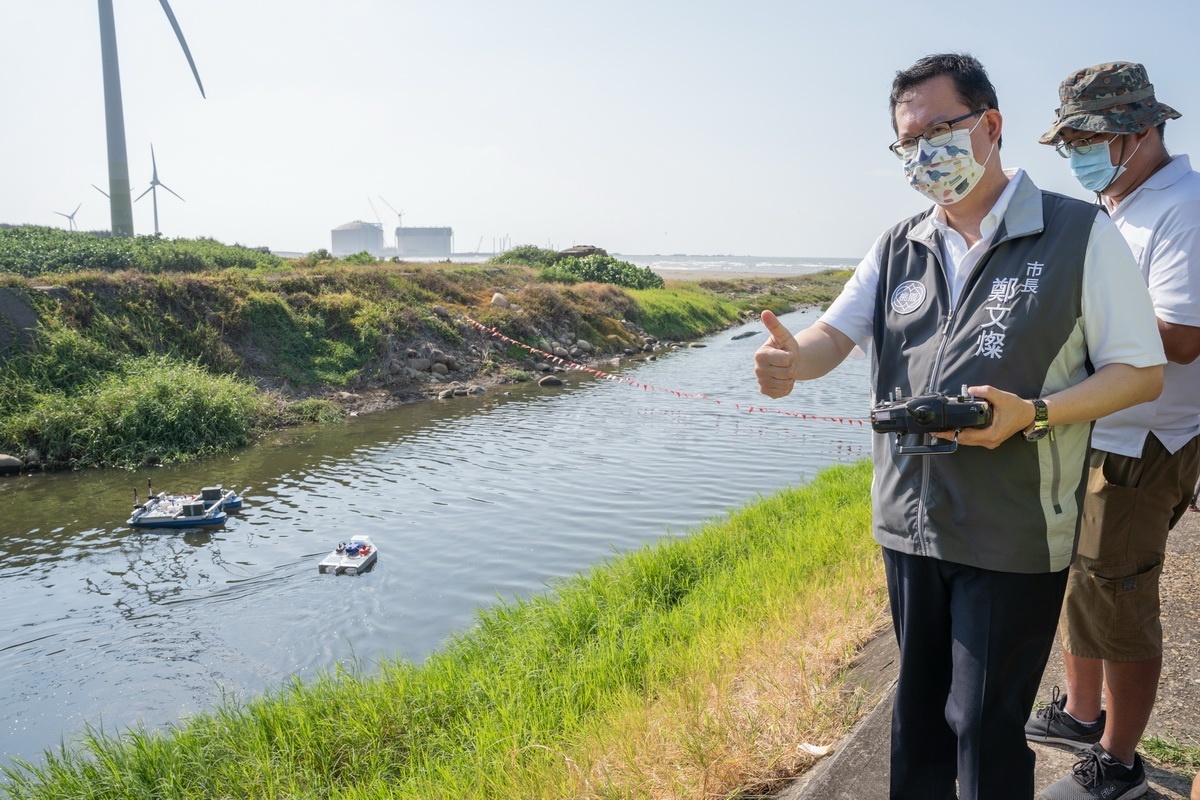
pixel 178 522
pixel 342 563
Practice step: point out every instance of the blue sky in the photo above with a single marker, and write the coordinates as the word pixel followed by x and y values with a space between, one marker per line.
pixel 751 128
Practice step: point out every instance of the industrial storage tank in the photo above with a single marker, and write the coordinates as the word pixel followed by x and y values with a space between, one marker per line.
pixel 354 237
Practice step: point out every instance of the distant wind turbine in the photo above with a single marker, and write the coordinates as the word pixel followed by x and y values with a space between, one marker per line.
pixel 153 190
pixel 114 116
pixel 70 217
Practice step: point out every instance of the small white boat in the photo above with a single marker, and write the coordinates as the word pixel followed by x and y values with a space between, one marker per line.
pixel 350 558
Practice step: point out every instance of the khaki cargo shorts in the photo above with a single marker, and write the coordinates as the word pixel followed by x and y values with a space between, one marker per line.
pixel 1111 610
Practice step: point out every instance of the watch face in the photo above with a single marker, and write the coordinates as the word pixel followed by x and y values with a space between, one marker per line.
pixel 1035 434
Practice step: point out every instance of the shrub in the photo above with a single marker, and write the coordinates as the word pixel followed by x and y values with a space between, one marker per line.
pixel 557 275
pixel 152 409
pixel 528 254
pixel 312 409
pixel 606 269
pixel 32 250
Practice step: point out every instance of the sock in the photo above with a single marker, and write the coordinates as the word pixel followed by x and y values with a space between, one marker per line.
pixel 1110 758
pixel 1091 724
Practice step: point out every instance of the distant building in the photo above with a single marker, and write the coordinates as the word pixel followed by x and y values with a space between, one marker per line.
pixel 424 241
pixel 354 237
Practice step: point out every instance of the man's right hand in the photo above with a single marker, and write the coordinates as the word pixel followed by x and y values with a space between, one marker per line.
pixel 776 361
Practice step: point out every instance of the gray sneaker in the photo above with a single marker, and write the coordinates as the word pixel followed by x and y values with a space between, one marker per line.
pixel 1098 776
pixel 1053 725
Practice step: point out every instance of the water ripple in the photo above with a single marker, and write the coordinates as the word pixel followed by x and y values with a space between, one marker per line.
pixel 480 498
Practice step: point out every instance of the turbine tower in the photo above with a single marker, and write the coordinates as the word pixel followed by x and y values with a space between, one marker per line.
pixel 153 190
pixel 71 217
pixel 114 116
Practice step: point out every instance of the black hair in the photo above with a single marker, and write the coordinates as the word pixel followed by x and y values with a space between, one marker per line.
pixel 971 81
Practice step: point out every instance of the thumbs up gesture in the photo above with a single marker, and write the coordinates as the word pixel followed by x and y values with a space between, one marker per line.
pixel 776 361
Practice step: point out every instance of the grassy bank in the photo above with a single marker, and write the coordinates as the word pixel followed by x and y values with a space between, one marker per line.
pixel 151 350
pixel 692 668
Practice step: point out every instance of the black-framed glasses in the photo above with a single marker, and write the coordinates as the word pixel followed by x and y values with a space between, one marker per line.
pixel 937 134
pixel 1081 146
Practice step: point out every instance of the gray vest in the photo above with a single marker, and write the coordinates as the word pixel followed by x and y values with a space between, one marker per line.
pixel 1018 327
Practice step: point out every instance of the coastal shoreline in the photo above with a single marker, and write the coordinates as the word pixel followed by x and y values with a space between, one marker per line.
pixel 697 275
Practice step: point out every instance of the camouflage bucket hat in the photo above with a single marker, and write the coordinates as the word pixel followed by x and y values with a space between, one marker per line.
pixel 1116 97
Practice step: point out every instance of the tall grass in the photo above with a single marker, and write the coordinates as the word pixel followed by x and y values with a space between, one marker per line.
pixel 684 311
pixel 691 668
pixel 154 409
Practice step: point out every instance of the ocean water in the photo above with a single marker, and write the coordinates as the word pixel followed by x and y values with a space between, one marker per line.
pixel 764 265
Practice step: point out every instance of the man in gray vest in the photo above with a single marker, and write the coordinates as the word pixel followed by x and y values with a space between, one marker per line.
pixel 1144 459
pixel 1012 293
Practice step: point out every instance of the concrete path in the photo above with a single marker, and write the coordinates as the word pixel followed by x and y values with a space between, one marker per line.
pixel 858 767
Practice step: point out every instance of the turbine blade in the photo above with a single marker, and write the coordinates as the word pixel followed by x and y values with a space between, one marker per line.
pixel 62 214
pixel 183 43
pixel 76 211
pixel 101 191
pixel 143 194
pixel 168 188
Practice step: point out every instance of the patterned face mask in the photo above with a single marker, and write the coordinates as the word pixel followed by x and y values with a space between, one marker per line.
pixel 946 174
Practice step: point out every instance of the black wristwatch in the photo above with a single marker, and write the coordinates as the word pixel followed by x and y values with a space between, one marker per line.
pixel 1041 421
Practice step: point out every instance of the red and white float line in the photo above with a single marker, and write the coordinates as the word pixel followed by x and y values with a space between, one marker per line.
pixel 649 388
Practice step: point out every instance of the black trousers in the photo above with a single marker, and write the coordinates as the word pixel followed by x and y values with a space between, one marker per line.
pixel 973 646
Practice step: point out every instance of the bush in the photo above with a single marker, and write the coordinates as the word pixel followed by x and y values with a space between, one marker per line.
pixel 153 409
pixel 527 254
pixel 31 250
pixel 606 269
pixel 557 275
pixel 312 409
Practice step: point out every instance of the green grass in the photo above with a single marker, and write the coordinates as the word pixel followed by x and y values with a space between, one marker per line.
pixel 1172 753
pixel 683 312
pixel 32 250
pixel 544 696
pixel 147 410
pixel 240 318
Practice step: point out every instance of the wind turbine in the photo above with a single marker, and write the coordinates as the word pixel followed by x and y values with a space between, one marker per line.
pixel 114 116
pixel 153 190
pixel 70 217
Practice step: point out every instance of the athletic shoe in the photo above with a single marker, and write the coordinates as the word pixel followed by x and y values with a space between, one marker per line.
pixel 1193 507
pixel 1099 776
pixel 1053 725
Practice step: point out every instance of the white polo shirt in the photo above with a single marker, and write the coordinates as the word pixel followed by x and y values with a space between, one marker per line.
pixel 1161 222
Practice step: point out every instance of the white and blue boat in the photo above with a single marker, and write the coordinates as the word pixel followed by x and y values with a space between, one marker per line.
pixel 230 500
pixel 354 557
pixel 176 511
pixel 164 510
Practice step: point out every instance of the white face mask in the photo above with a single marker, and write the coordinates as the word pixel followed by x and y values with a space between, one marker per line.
pixel 948 173
pixel 1094 170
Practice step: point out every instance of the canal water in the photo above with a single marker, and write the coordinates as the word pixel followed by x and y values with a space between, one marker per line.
pixel 469 501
